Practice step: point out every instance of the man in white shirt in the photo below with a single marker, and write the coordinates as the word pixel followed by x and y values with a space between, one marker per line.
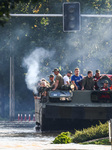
pixel 67 77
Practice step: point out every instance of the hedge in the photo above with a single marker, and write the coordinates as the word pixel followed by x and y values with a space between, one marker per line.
pixel 93 132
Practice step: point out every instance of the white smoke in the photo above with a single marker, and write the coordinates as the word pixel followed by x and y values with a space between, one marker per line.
pixel 90 48
pixel 33 65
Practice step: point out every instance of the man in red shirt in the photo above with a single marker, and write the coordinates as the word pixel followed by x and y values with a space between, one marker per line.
pixel 96 78
pixel 105 86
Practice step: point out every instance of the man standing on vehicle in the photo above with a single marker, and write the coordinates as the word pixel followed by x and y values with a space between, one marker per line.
pixel 59 80
pixel 51 78
pixel 96 78
pixel 67 77
pixel 76 78
pixel 105 86
pixel 88 83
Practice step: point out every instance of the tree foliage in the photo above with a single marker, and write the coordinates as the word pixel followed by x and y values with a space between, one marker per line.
pixel 7 6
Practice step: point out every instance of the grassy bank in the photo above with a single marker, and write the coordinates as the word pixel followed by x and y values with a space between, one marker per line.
pixel 99 142
pixel 93 132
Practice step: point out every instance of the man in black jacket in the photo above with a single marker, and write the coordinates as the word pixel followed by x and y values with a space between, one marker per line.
pixel 88 83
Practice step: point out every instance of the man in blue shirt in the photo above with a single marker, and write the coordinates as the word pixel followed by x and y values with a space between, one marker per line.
pixel 76 78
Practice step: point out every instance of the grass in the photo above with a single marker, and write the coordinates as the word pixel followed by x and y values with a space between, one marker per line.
pixel 99 142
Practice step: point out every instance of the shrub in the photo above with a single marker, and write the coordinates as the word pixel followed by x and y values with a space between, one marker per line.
pixel 63 138
pixel 93 132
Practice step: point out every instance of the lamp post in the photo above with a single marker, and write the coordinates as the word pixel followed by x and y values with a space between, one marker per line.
pixel 12 87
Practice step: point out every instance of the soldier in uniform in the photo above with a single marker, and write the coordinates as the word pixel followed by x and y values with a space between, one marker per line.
pixel 38 97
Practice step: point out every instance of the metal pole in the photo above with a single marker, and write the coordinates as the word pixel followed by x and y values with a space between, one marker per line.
pixel 36 15
pixel 12 87
pixel 12 90
pixel 96 15
pixel 10 100
pixel 110 132
pixel 60 15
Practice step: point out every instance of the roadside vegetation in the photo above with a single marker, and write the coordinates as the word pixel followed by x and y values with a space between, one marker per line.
pixel 93 132
pixel 99 142
pixel 63 138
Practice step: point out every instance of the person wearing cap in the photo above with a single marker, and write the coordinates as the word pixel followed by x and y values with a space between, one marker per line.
pixel 51 78
pixel 66 78
pixel 38 97
pixel 96 78
pixel 87 82
pixel 105 86
pixel 76 78
pixel 43 79
pixel 58 80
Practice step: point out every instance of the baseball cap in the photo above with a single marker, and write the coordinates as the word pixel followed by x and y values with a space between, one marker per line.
pixel 69 72
pixel 106 81
pixel 56 69
pixel 97 71
pixel 51 75
pixel 43 79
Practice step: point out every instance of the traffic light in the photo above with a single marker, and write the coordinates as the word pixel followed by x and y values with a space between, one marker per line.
pixel 71 16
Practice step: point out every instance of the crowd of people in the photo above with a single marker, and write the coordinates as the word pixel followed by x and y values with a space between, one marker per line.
pixel 79 81
pixel 74 82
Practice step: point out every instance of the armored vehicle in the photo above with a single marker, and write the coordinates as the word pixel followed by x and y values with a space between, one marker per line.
pixel 64 108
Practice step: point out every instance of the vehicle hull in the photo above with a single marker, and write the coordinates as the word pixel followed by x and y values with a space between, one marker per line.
pixel 81 109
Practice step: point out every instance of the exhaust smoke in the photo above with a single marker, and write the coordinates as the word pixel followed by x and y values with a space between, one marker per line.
pixel 33 63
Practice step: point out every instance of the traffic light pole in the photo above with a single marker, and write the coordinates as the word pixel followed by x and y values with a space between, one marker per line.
pixel 96 16
pixel 12 91
pixel 36 15
pixel 60 15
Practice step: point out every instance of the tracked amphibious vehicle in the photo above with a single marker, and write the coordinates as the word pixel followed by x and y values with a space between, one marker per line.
pixel 63 109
